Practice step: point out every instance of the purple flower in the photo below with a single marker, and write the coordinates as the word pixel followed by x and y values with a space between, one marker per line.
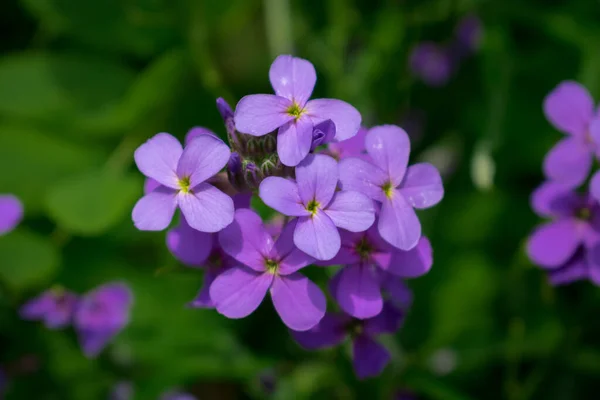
pixel 570 108
pixel 122 391
pixel 266 266
pixel 11 213
pixel 390 181
pixel 353 147
pixel 101 315
pixel 357 286
pixel 369 357
pixel 227 115
pixel 319 208
pixel 323 133
pixel 55 307
pixel 431 63
pixel 290 111
pixel 177 395
pixel 468 35
pixel 182 175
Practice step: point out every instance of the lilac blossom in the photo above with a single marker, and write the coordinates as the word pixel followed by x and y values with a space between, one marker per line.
pixel 55 307
pixel 319 208
pixel 368 258
pixel 266 265
pixel 11 213
pixel 291 112
pixel 570 108
pixel 101 315
pixel 432 63
pixel 369 357
pixel 568 245
pixel 182 175
pixel 390 181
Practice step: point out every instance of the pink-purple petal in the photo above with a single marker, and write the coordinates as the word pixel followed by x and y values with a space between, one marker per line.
pixel 346 118
pixel 317 178
pixel 154 211
pixel 188 245
pixel 552 199
pixel 282 195
pixel 259 114
pixel 206 208
pixel 358 291
pixel 195 132
pixel 569 162
pixel 203 299
pixel 157 158
pixel 294 140
pixel 299 302
pixel 389 147
pixel 293 78
pixel 317 236
pixel 291 258
pixel 362 176
pixel 389 320
pixel 329 332
pixel 11 213
pixel 569 107
pixel 552 244
pixel 398 223
pixel 150 184
pixel 353 147
pixel 595 186
pixel 352 211
pixel 412 263
pixel 239 291
pixel 203 158
pixel 422 186
pixel 369 357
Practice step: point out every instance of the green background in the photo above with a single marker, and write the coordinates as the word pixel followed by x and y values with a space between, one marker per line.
pixel 83 83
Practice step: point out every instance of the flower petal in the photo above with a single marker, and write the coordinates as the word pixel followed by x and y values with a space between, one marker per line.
pixel 92 342
pixel 154 211
pixel 552 244
pixel 369 357
pixel 282 195
pixel 346 118
pixel 347 254
pixel 298 301
pixel 293 78
pixel 11 213
pixel 203 158
pixel 150 184
pixel 203 299
pixel 397 290
pixel 157 158
pixel 412 263
pixel 569 107
pixel 294 140
pixel 352 211
pixel 239 291
pixel 553 199
pixel 389 147
pixel 317 178
pixel 329 332
pixel 398 223
pixel 361 176
pixel 291 258
pixel 358 291
pixel 353 147
pixel 188 245
pixel 246 240
pixel 259 114
pixel 317 236
pixel 206 209
pixel 574 270
pixel 594 186
pixel 422 186
pixel 388 320
pixel 568 162
pixel 195 132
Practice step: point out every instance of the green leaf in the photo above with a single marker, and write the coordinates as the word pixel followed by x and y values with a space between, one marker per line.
pixel 93 202
pixel 26 259
pixel 32 160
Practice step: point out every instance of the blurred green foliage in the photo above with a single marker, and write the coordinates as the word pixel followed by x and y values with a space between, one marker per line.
pixel 83 83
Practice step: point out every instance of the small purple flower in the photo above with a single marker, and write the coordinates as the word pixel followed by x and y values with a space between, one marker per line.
pixel 227 115
pixel 182 175
pixel 357 286
pixel 11 213
pixel 290 111
pixel 468 35
pixel 55 307
pixel 353 147
pixel 369 357
pixel 390 181
pixel 431 63
pixel 570 108
pixel 101 315
pixel 323 133
pixel 319 208
pixel 266 266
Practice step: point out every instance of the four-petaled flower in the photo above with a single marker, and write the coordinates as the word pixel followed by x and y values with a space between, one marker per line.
pixel 319 208
pixel 290 111
pixel 389 180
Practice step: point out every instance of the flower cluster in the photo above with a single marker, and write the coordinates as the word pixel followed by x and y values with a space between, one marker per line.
pixel 97 316
pixel 568 246
pixel 345 198
pixel 11 213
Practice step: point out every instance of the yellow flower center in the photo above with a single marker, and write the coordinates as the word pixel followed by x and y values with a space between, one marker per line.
pixel 388 189
pixel 363 248
pixel 184 184
pixel 295 110
pixel 312 207
pixel 271 266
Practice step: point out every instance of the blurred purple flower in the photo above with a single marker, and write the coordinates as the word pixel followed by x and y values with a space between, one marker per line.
pixel 11 213
pixel 369 357
pixel 182 175
pixel 570 108
pixel 468 34
pixel 55 307
pixel 101 315
pixel 177 395
pixel 266 265
pixel 290 111
pixel 122 391
pixel 389 180
pixel 319 208
pixel 432 63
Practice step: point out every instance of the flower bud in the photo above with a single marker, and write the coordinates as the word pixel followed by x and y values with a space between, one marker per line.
pixel 269 144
